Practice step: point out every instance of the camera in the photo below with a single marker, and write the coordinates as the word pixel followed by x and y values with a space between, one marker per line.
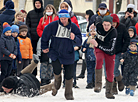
pixel 129 10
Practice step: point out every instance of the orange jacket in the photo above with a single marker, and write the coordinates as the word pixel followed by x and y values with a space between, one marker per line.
pixel 26 48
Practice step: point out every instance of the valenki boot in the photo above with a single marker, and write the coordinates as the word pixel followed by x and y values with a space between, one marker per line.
pixel 57 82
pixel 120 83
pixel 98 80
pixel 108 92
pixel 68 89
pixel 114 89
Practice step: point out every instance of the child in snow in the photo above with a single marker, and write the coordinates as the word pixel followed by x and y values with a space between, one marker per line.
pixel 129 58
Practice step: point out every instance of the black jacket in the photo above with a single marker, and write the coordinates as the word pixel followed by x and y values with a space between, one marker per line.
pixel 32 21
pixel 123 39
pixel 26 85
pixel 108 45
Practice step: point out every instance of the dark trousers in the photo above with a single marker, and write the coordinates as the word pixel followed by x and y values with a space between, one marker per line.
pixel 83 67
pixel 6 67
pixel 22 65
pixel 68 69
pixel 91 71
pixel 34 45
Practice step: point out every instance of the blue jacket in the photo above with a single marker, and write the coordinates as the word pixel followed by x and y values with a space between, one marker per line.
pixel 19 56
pixel 7 16
pixel 61 48
pixel 89 51
pixel 7 47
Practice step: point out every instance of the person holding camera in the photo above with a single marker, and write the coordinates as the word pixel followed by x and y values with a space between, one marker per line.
pixel 130 18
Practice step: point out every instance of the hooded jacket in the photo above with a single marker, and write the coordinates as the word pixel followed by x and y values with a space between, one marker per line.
pixel 123 38
pixel 32 20
pixel 61 48
pixel 134 29
pixel 72 16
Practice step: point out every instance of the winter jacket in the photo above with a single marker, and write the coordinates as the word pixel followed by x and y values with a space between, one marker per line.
pixel 61 48
pixel 89 52
pixel 19 56
pixel 8 46
pixel 2 10
pixel 32 20
pixel 19 23
pixel 128 21
pixel 41 27
pixel 108 43
pixel 26 48
pixel 26 85
pixel 93 18
pixel 7 16
pixel 136 26
pixel 130 69
pixel 73 19
pixel 123 38
pixel 0 29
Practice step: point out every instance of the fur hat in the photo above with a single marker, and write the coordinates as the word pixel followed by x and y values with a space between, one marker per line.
pixel 63 13
pixel 15 28
pixel 6 27
pixel 8 83
pixel 23 28
pixel 9 4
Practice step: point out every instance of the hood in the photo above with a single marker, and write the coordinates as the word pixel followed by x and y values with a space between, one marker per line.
pixel 69 8
pixel 115 19
pixel 38 10
pixel 69 2
pixel 134 29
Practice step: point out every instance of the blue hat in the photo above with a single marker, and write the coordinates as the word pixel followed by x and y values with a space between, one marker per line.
pixel 6 27
pixel 102 5
pixel 63 13
pixel 9 4
pixel 15 28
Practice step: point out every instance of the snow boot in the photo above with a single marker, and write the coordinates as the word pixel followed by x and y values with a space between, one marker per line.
pixel 132 90
pixel 98 80
pixel 108 92
pixel 120 83
pixel 68 89
pixel 89 86
pixel 114 89
pixel 127 90
pixel 57 81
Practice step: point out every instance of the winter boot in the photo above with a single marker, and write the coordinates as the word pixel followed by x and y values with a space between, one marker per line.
pixel 120 83
pixel 132 90
pixel 108 92
pixel 98 80
pixel 114 89
pixel 49 87
pixel 45 82
pixel 57 83
pixel 68 89
pixel 127 90
pixel 89 86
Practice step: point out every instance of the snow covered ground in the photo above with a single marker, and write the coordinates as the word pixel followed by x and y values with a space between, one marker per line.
pixel 80 95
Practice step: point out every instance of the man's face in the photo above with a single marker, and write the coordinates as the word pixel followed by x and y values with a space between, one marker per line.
pixel 6 89
pixel 114 24
pixel 38 4
pixel 106 25
pixel 64 21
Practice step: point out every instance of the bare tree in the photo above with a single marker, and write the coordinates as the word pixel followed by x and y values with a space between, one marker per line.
pixel 56 4
pixel 118 5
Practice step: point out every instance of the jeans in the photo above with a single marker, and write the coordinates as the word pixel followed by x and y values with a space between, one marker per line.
pixel 90 71
pixel 117 63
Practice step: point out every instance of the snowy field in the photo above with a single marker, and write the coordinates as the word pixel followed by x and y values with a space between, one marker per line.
pixel 80 95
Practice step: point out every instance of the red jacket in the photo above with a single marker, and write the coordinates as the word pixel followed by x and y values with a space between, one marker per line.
pixel 41 27
pixel 73 19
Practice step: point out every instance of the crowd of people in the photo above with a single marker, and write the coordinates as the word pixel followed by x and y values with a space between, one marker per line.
pixel 53 38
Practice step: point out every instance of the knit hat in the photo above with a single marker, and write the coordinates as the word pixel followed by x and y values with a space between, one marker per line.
pixel 15 28
pixel 8 83
pixel 6 27
pixel 131 6
pixel 102 5
pixel 107 19
pixel 23 28
pixel 63 13
pixel 9 4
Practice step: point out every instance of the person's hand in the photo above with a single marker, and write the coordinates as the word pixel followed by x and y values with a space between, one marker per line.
pixel 131 15
pixel 13 57
pixel 46 50
pixel 76 48
pixel 94 42
pixel 127 14
pixel 122 53
pixel 122 60
pixel 72 36
pixel 92 26
pixel 84 49
pixel 20 62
